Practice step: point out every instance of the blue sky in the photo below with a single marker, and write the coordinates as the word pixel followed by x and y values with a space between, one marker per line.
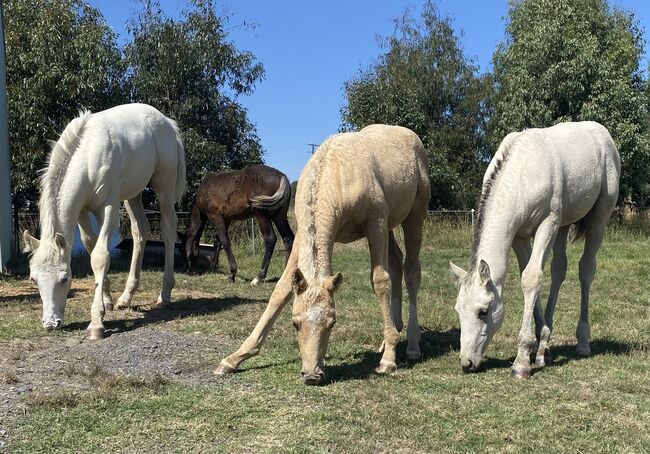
pixel 309 49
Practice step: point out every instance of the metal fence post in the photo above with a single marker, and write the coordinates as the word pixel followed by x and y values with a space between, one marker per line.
pixel 253 234
pixel 472 218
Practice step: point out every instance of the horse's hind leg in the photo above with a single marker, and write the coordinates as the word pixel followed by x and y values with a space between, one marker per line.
pixel 395 260
pixel 412 227
pixel 594 233
pixel 100 260
pixel 89 239
pixel 221 228
pixel 284 229
pixel 169 223
pixel 266 227
pixel 139 232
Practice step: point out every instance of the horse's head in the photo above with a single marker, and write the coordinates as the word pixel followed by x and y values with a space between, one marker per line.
pixel 480 311
pixel 314 316
pixel 49 268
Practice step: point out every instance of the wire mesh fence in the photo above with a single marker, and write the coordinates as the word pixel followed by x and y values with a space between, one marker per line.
pixel 241 233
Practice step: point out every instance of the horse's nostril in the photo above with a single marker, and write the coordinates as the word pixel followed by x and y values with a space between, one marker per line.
pixel 469 366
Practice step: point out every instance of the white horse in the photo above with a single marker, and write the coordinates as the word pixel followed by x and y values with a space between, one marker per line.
pixel 357 185
pixel 539 183
pixel 99 160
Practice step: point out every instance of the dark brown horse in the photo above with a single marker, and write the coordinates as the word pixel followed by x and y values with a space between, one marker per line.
pixel 259 191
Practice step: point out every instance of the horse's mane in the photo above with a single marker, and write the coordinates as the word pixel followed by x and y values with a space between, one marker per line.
pixel 309 238
pixel 52 176
pixel 500 158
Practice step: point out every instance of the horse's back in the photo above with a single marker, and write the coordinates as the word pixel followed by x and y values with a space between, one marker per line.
pixel 567 167
pixel 136 143
pixel 380 169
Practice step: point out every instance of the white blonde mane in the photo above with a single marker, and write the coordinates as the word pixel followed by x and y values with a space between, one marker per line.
pixel 51 180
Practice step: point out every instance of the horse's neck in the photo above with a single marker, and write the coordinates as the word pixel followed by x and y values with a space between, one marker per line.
pixel 65 207
pixel 497 234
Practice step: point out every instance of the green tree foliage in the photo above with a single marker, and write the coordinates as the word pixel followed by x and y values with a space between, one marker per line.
pixel 189 70
pixel 61 57
pixel 424 82
pixel 573 60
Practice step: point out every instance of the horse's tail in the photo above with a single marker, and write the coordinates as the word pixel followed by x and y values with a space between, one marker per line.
pixel 579 229
pixel 181 181
pixel 275 201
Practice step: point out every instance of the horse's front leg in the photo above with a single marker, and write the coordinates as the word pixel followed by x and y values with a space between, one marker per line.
pixel 377 236
pixel 100 260
pixel 221 227
pixel 89 239
pixel 531 285
pixel 139 232
pixel 252 345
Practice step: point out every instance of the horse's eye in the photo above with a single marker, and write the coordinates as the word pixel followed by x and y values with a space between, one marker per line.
pixel 63 280
pixel 33 279
pixel 295 325
pixel 482 313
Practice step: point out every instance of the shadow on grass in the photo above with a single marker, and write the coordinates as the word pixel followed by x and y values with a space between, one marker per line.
pixel 177 310
pixel 564 354
pixel 433 344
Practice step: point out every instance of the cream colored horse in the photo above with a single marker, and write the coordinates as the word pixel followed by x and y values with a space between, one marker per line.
pixel 361 184
pixel 99 160
pixel 539 183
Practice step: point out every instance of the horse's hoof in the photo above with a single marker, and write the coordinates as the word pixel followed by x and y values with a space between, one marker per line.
pixel 231 279
pixel 161 303
pixel 224 369
pixel 545 360
pixel 386 367
pixel 520 372
pixel 583 350
pixel 413 355
pixel 255 281
pixel 95 333
pixel 121 304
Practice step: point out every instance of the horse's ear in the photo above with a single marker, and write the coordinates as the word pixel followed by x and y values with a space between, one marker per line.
pixel 457 271
pixel 31 243
pixel 333 282
pixel 60 241
pixel 484 273
pixel 298 282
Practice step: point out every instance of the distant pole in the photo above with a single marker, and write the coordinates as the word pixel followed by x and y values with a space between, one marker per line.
pixel 253 235
pixel 5 174
pixel 313 146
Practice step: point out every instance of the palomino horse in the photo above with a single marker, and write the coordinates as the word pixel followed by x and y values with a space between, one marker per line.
pixel 359 184
pixel 259 191
pixel 99 160
pixel 539 183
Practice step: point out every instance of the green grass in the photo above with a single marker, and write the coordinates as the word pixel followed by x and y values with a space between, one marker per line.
pixel 598 404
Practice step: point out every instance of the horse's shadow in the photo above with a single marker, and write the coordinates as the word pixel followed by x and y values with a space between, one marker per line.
pixel 177 310
pixel 433 344
pixel 563 354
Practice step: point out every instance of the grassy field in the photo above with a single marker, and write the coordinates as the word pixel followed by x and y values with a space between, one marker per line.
pixel 59 397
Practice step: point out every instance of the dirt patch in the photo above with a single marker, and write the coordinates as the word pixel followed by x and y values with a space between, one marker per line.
pixel 52 366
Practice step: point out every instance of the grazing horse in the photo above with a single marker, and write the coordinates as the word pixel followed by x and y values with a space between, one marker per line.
pixel 357 184
pixel 99 160
pixel 259 191
pixel 539 183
